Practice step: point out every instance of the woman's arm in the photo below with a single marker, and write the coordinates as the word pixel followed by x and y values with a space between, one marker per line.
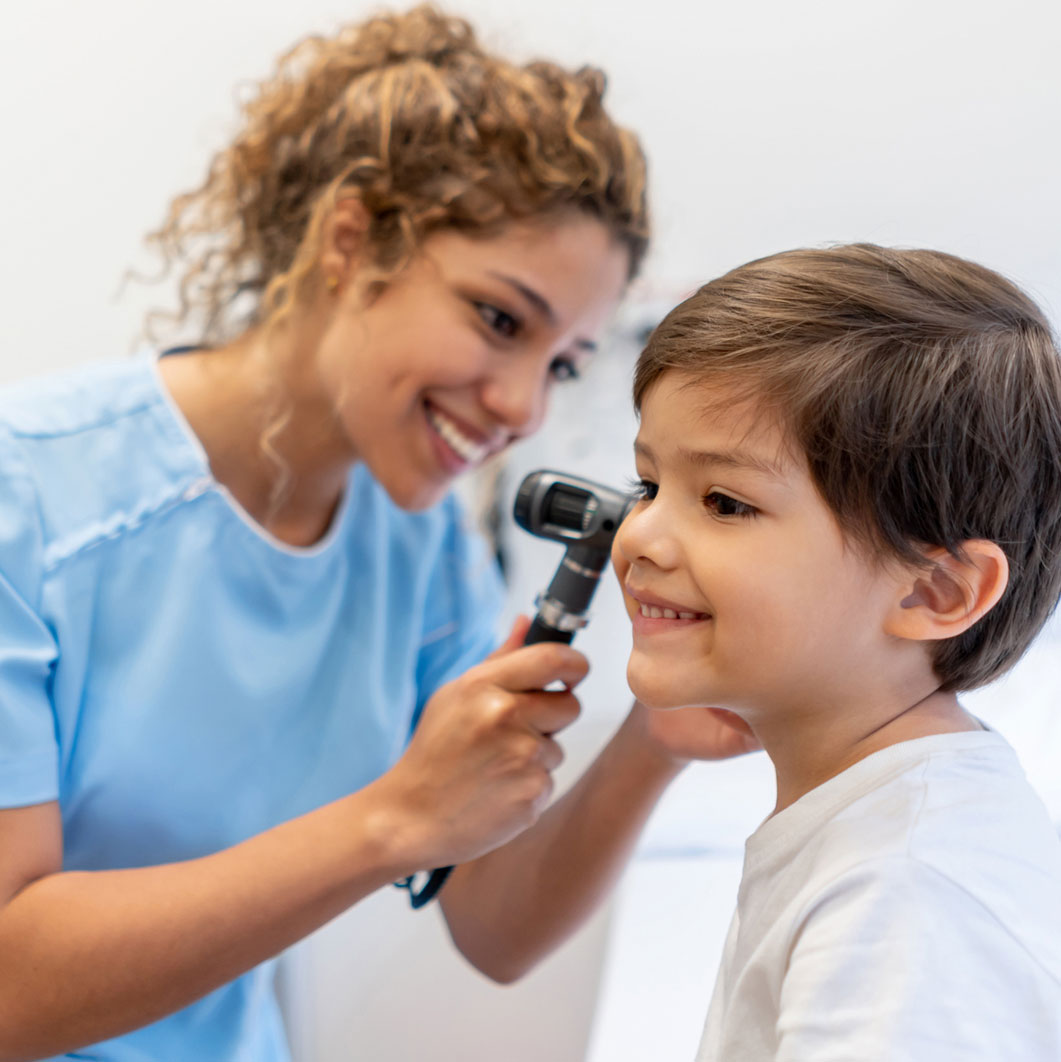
pixel 86 956
pixel 510 908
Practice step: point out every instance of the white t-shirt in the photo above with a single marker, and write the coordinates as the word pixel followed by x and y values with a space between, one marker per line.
pixel 907 910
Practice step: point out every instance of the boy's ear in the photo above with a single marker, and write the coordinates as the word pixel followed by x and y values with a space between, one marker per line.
pixel 949 597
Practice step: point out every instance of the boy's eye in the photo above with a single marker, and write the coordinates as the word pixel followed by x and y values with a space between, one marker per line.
pixel 723 505
pixel 498 320
pixel 564 369
pixel 642 489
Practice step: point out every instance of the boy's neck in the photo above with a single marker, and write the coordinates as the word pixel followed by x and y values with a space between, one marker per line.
pixel 822 745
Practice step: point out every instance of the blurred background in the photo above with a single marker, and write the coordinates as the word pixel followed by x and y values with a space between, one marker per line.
pixel 768 124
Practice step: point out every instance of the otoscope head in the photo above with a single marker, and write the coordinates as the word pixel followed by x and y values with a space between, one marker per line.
pixel 575 511
pixel 584 516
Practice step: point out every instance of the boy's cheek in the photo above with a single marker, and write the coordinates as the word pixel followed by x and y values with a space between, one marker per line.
pixel 620 564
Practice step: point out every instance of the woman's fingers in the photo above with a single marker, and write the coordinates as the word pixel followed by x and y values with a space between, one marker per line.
pixel 552 755
pixel 545 712
pixel 478 769
pixel 533 667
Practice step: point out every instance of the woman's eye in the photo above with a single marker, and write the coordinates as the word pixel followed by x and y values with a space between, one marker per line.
pixel 497 320
pixel 723 505
pixel 564 369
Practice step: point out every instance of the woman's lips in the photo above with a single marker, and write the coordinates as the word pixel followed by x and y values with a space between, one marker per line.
pixel 459 449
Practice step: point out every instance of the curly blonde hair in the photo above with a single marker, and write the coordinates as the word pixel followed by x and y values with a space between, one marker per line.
pixel 426 128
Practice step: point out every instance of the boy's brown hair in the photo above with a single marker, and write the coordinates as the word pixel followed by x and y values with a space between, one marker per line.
pixel 924 391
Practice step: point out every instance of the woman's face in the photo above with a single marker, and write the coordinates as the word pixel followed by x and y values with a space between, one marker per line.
pixel 456 357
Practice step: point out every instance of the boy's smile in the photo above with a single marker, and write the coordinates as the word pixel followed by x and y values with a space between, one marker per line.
pixel 742 590
pixel 655 614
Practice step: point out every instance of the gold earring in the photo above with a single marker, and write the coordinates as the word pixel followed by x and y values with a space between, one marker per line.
pixel 332 284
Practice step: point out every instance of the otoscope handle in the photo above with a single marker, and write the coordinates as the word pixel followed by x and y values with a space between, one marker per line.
pixel 541 632
pixel 538 632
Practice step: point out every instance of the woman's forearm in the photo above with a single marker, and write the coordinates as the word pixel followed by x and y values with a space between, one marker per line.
pixel 85 956
pixel 510 908
pixel 88 956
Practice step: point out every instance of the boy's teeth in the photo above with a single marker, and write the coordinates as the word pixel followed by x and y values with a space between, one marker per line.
pixel 469 450
pixel 652 612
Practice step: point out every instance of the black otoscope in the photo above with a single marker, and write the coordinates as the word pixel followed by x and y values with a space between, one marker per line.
pixel 585 516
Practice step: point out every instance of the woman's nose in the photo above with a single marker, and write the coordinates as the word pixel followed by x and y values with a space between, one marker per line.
pixel 516 394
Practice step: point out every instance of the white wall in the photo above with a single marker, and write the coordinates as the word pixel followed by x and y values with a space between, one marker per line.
pixel 769 124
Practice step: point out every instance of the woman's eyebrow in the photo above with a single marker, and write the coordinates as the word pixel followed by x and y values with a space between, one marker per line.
pixel 539 302
pixel 536 299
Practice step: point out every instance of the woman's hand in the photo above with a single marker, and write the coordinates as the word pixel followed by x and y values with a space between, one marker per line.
pixel 478 769
pixel 685 734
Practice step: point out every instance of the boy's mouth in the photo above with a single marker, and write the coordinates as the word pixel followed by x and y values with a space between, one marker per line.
pixel 655 612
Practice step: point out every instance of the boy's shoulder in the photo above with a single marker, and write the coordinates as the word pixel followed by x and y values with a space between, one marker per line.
pixel 946 827
pixel 949 801
pixel 907 907
pixel 939 798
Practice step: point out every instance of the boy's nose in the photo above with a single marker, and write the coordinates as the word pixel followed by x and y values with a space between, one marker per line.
pixel 625 546
pixel 645 535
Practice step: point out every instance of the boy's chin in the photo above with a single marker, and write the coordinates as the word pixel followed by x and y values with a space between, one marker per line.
pixel 655 692
pixel 653 696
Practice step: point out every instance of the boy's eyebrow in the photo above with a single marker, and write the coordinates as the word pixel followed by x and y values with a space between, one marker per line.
pixel 736 459
pixel 540 303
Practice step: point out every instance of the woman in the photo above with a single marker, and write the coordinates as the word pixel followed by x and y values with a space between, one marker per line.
pixel 234 588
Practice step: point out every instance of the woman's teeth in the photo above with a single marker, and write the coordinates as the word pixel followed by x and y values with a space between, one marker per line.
pixel 668 613
pixel 468 449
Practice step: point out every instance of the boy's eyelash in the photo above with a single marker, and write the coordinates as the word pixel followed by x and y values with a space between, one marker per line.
pixel 642 489
pixel 724 501
pixel 715 501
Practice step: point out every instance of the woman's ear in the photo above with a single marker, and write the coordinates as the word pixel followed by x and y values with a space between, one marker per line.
pixel 343 240
pixel 947 598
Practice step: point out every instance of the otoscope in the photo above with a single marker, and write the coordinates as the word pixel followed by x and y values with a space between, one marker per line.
pixel 584 515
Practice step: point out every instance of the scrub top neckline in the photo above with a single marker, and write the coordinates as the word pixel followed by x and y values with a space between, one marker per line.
pixel 178 425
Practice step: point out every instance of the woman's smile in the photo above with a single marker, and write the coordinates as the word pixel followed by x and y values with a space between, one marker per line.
pixel 426 385
pixel 458 447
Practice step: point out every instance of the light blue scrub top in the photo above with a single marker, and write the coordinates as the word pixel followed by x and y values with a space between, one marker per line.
pixel 178 679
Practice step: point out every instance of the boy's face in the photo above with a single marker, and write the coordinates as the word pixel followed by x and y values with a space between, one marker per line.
pixel 769 606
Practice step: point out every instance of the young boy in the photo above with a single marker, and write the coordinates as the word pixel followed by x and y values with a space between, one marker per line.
pixel 850 466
